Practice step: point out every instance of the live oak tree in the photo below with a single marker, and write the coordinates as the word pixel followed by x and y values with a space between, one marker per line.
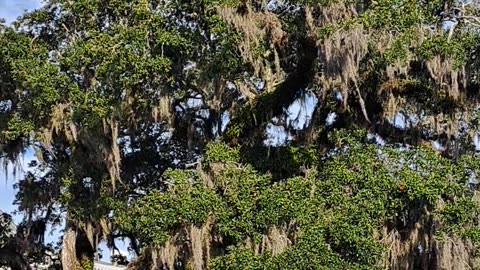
pixel 148 120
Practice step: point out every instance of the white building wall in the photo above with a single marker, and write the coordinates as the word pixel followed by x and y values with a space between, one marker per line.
pixel 97 265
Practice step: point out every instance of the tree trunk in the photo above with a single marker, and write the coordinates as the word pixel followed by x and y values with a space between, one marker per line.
pixel 69 254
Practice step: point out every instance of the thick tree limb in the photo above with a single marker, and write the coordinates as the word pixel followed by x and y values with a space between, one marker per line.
pixel 256 115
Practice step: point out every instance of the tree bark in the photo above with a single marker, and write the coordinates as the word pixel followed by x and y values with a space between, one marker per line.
pixel 69 254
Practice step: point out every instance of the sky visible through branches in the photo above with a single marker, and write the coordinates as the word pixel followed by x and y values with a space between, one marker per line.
pixel 11 10
pixel 297 115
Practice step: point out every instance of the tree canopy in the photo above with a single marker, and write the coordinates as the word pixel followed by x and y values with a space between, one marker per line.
pixel 150 119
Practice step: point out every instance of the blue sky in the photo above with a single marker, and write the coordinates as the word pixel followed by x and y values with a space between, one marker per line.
pixel 11 9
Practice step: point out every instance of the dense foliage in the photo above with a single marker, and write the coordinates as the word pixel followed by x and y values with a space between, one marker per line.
pixel 151 121
pixel 327 219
